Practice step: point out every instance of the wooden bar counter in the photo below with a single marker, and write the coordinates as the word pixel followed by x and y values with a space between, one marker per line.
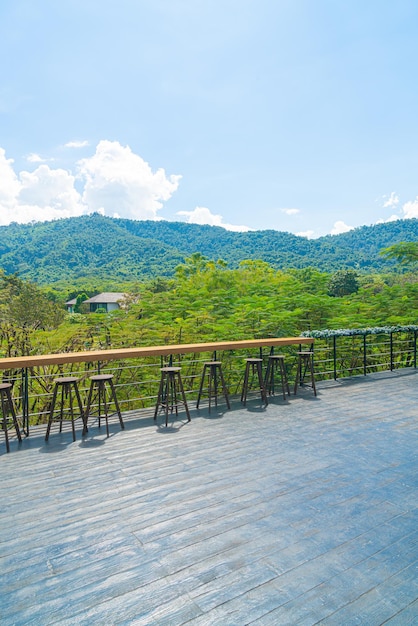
pixel 91 356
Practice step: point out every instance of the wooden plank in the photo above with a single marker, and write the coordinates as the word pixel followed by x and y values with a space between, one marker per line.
pixel 136 353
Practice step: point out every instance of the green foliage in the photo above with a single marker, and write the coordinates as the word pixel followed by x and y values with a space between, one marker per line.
pixel 79 301
pixel 343 283
pixel 24 309
pixel 205 301
pixel 404 252
pixel 91 251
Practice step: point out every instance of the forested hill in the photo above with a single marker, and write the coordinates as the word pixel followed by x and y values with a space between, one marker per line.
pixel 110 248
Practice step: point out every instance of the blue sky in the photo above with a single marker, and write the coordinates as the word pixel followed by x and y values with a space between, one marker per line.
pixel 293 115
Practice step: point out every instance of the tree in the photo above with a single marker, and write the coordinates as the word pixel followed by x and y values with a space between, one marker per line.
pixel 403 252
pixel 79 301
pixel 343 283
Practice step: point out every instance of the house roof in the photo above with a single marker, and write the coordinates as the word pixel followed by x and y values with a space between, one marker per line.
pixel 71 302
pixel 105 298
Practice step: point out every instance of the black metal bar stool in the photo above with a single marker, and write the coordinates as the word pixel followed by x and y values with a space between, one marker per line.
pixel 66 385
pixel 304 365
pixel 211 369
pixel 170 386
pixel 276 362
pixel 7 406
pixel 253 369
pixel 104 396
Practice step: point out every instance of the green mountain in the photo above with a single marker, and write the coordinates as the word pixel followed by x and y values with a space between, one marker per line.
pixel 100 247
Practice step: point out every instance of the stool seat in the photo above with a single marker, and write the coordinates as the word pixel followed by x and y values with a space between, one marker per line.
pixel 212 369
pixel 304 365
pixel 7 406
pixel 253 368
pixel 102 391
pixel 167 399
pixel 68 385
pixel 276 362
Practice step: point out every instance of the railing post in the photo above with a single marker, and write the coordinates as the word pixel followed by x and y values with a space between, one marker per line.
pixel 25 401
pixel 391 351
pixel 415 349
pixel 334 341
pixel 364 355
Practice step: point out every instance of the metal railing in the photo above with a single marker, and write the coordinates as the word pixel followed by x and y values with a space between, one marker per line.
pixel 354 352
pixel 339 354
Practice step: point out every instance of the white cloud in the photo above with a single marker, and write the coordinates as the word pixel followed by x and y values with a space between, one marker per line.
pixel 307 233
pixel 291 211
pixel 114 182
pixel 340 227
pixel 392 201
pixel 391 218
pixel 35 158
pixel 410 209
pixel 202 215
pixel 52 190
pixel 117 179
pixel 76 144
pixel 44 194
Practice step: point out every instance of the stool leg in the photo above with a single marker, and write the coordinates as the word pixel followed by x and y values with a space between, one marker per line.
pixel 6 434
pixel 212 382
pixel 174 380
pixel 102 402
pixel 79 402
pixel 13 413
pixel 261 383
pixel 51 413
pixel 269 377
pixel 245 384
pixel 224 387
pixel 71 411
pixel 183 395
pixel 312 374
pixel 298 375
pixel 168 395
pixel 202 382
pixel 116 403
pixel 160 395
pixel 87 411
pixel 285 382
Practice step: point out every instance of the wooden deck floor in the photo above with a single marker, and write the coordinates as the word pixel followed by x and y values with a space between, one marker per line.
pixel 303 513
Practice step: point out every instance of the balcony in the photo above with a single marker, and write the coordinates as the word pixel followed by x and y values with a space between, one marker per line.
pixel 301 512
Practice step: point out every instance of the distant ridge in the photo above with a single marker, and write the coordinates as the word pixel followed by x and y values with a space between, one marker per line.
pixel 94 246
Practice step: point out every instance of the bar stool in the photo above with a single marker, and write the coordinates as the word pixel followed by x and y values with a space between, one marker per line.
pixel 167 399
pixel 66 385
pixel 276 362
pixel 212 369
pixel 253 367
pixel 98 393
pixel 7 405
pixel 305 363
